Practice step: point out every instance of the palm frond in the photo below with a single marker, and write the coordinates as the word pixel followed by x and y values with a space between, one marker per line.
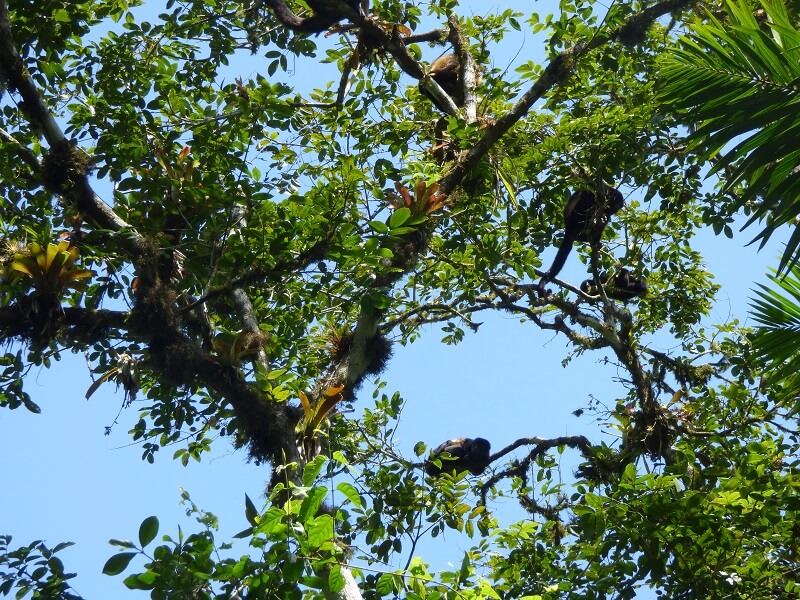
pixel 740 82
pixel 776 340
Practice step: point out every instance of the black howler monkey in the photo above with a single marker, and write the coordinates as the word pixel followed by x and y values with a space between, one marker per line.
pixel 585 219
pixel 622 286
pixel 465 454
pixel 325 14
pixel 446 71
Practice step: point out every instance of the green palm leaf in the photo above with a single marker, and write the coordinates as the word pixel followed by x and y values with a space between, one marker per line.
pixel 777 338
pixel 740 82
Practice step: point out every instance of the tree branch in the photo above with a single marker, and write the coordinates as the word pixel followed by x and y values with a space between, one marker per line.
pixel 244 309
pixel 468 74
pixel 87 326
pixel 557 71
pixel 260 274
pixel 541 445
pixel 26 154
pixel 74 184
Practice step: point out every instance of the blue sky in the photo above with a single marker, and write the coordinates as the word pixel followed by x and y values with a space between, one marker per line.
pixel 63 479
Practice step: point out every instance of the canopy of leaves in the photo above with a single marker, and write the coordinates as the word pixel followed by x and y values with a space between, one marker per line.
pixel 242 253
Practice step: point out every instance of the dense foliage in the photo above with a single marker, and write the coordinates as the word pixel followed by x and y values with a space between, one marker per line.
pixel 242 254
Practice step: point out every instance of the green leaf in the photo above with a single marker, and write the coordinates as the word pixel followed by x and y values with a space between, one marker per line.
pixel 400 231
pixel 311 503
pixel 271 520
pixel 737 80
pixel 350 492
pixel 142 581
pixel 62 546
pixel 148 531
pixel 336 580
pixel 466 567
pixel 775 341
pixel 56 566
pixel 385 585
pixel 320 531
pixel 399 217
pixel 118 563
pixel 250 511
pixel 312 470
pixel 592 525
pixel 375 300
pixel 379 226
pixel 487 591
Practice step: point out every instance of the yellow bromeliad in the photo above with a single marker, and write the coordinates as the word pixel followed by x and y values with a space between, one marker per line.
pixel 51 269
pixel 308 429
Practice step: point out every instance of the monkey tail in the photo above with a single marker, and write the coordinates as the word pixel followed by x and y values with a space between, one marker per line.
pixel 561 258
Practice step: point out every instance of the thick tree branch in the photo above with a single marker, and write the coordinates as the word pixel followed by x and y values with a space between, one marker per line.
pixel 436 35
pixel 351 369
pixel 241 301
pixel 369 350
pixel 443 100
pixel 86 326
pixel 395 43
pixel 560 67
pixel 26 154
pixel 467 78
pixel 244 309
pixel 72 184
pixel 20 80
pixel 266 425
pixel 469 71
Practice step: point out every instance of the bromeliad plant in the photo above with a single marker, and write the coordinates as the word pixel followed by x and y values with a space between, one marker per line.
pixel 51 270
pixel 308 429
pixel 426 200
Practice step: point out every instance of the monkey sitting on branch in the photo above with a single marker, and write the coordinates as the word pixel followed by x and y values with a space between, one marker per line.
pixel 451 95
pixel 446 72
pixel 586 215
pixel 624 286
pixel 459 454
pixel 326 14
